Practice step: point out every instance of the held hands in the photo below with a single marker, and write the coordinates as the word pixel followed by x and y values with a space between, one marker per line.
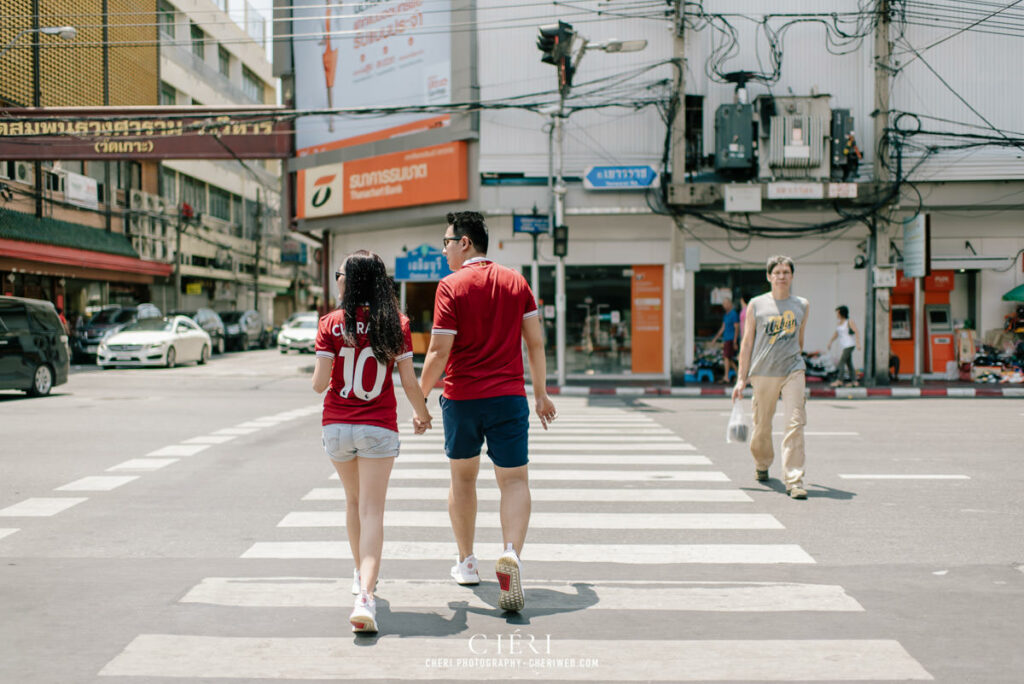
pixel 737 391
pixel 421 424
pixel 546 411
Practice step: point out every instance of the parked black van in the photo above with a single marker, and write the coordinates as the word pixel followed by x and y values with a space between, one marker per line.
pixel 34 352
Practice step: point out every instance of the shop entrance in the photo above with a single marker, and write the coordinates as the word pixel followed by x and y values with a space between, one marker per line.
pixel 419 307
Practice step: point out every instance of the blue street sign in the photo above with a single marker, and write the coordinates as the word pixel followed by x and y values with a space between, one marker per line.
pixel 530 224
pixel 422 264
pixel 620 178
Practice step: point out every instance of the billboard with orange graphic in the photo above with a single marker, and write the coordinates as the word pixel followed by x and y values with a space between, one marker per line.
pixel 422 176
pixel 648 292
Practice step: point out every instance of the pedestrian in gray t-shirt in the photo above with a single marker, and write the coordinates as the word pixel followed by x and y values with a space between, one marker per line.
pixel 770 357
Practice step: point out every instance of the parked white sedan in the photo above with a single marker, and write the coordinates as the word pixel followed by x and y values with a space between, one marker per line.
pixel 299 335
pixel 165 341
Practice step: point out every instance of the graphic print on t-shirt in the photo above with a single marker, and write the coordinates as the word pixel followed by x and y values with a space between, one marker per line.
pixel 784 326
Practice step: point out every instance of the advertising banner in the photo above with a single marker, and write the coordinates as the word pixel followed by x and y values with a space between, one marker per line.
pixel 368 53
pixel 423 176
pixel 648 319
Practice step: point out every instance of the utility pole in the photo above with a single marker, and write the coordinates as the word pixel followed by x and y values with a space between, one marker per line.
pixel 177 264
pixel 680 302
pixel 259 242
pixel 876 324
pixel 558 192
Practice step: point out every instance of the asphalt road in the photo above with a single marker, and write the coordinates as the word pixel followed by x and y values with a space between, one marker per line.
pixel 181 526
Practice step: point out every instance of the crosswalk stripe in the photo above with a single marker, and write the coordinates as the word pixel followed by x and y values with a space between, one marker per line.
pixel 143 464
pixel 628 554
pixel 7 531
pixel 440 494
pixel 536 459
pixel 97 483
pixel 907 476
pixel 236 431
pixel 400 473
pixel 179 450
pixel 728 597
pixel 553 437
pixel 539 657
pixel 563 430
pixel 40 507
pixel 258 424
pixel 555 521
pixel 210 439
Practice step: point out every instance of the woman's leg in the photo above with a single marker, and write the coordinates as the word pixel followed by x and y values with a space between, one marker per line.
pixel 373 486
pixel 846 360
pixel 349 474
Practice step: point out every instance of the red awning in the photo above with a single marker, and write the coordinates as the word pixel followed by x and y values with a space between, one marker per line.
pixel 77 259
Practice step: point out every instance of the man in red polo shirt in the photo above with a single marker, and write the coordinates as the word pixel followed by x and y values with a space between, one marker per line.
pixel 482 313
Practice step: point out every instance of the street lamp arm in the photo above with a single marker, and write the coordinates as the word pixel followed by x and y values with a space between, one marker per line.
pixel 15 40
pixel 65 32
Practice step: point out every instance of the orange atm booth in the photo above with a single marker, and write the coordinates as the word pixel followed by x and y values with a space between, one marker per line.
pixel 938 348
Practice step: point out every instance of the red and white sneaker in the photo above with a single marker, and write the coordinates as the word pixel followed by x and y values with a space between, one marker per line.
pixel 509 572
pixel 364 614
pixel 466 572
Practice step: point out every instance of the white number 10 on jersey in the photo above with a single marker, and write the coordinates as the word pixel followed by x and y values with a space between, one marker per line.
pixel 353 373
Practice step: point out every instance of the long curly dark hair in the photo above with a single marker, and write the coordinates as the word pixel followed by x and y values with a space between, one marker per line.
pixel 367 284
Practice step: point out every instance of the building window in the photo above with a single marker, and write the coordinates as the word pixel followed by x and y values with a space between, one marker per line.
pixel 168 95
pixel 221 4
pixel 193 193
pixel 224 58
pixel 129 175
pixel 252 219
pixel 169 185
pixel 165 19
pixel 251 85
pixel 220 203
pixel 198 44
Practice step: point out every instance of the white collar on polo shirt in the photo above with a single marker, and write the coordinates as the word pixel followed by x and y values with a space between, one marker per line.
pixel 474 260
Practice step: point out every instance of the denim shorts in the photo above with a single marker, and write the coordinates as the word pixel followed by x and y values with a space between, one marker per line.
pixel 503 421
pixel 343 442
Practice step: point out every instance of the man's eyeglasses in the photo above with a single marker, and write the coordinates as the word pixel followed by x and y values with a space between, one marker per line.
pixel 446 240
pixel 338 274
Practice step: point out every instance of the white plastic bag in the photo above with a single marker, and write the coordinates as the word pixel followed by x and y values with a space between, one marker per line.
pixel 737 429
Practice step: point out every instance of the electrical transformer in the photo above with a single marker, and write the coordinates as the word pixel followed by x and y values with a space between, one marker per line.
pixel 735 140
pixel 842 126
pixel 795 137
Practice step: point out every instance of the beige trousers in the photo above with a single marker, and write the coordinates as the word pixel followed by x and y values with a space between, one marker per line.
pixel 767 391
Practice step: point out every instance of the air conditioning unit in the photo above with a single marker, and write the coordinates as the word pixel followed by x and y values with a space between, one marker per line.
pixel 137 200
pixel 24 172
pixel 157 205
pixel 137 244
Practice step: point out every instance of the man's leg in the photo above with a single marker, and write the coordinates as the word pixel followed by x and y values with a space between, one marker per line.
pixel 462 503
pixel 515 505
pixel 794 410
pixel 766 396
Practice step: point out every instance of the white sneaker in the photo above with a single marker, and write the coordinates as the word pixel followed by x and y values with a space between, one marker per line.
pixel 509 572
pixel 466 572
pixel 357 585
pixel 364 614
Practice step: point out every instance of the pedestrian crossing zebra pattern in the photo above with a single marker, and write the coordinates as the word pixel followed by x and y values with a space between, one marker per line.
pixel 601 473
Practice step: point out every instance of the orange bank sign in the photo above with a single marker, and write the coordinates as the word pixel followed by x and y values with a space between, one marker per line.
pixel 427 175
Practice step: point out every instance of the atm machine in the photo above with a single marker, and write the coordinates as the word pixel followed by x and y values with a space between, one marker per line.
pixel 939 337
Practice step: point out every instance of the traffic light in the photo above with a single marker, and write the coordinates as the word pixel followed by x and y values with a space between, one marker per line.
pixel 555 42
pixel 561 236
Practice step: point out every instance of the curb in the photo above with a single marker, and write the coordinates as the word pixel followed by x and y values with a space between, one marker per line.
pixel 815 393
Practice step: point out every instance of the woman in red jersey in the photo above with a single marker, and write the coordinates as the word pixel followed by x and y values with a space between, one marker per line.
pixel 357 348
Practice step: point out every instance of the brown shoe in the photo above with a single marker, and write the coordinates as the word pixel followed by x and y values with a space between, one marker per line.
pixel 761 475
pixel 797 493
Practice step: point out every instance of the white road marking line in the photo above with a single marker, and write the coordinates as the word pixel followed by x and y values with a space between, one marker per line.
pixel 40 507
pixel 400 473
pixel 811 433
pixel 728 597
pixel 438 457
pixel 143 464
pixel 440 494
pixel 179 450
pixel 7 531
pixel 236 431
pixel 345 658
pixel 577 446
pixel 554 438
pixel 562 430
pixel 97 483
pixel 867 476
pixel 555 521
pixel 210 439
pixel 628 554
pixel 258 424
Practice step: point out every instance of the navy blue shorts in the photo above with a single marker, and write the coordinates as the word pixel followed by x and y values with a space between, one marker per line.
pixel 503 421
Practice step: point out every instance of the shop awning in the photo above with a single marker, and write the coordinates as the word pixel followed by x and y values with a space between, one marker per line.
pixel 1015 295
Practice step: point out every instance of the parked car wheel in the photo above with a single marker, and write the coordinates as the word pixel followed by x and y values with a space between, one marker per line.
pixel 42 381
pixel 172 357
pixel 284 350
pixel 204 355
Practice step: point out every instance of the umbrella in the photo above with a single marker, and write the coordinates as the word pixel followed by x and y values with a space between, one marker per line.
pixel 1015 295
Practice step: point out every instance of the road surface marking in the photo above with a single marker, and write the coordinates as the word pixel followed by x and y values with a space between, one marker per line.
pixel 578 446
pixel 347 658
pixel 40 507
pixel 536 474
pixel 97 483
pixel 869 476
pixel 258 424
pixel 575 459
pixel 236 431
pixel 555 438
pixel 7 531
pixel 811 433
pixel 179 450
pixel 210 439
pixel 628 554
pixel 727 597
pixel 144 464
pixel 440 494
pixel 553 521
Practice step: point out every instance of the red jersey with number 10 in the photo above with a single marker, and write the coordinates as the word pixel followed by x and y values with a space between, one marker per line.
pixel 361 391
pixel 483 305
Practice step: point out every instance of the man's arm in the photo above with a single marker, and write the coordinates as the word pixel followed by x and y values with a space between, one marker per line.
pixel 746 348
pixel 718 334
pixel 803 326
pixel 534 338
pixel 437 358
